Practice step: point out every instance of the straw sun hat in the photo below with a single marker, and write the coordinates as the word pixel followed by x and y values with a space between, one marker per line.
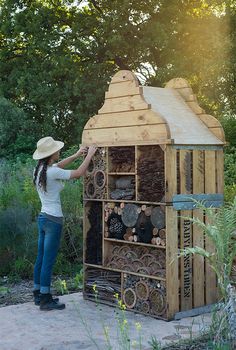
pixel 46 147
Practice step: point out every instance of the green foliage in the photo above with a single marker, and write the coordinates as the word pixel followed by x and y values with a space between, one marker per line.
pixel 229 124
pixel 55 65
pixel 16 140
pixel 23 268
pixel 72 284
pixel 230 166
pixel 221 232
pixel 19 207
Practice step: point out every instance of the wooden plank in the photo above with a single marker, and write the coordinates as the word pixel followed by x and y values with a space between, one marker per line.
pixel 125 75
pixel 209 120
pixel 218 132
pixel 210 187
pixel 136 175
pixel 185 93
pixel 170 173
pixel 128 118
pixel 185 233
pixel 103 230
pixel 122 104
pixel 195 107
pixel 172 278
pixel 129 135
pixel 220 171
pixel 177 83
pixel 196 311
pixel 125 88
pixel 198 236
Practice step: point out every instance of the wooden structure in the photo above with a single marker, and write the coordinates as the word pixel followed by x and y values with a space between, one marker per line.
pixel 157 150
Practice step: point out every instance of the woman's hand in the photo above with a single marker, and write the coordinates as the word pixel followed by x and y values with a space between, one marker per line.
pixel 92 150
pixel 81 152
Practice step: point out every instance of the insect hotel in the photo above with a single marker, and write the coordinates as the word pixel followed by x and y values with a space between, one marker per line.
pixel 157 149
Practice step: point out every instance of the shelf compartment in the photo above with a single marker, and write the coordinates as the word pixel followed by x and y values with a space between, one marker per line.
pixel 143 260
pixel 93 233
pixel 107 283
pixel 95 180
pixel 147 296
pixel 135 222
pixel 124 272
pixel 121 159
pixel 150 173
pixel 121 187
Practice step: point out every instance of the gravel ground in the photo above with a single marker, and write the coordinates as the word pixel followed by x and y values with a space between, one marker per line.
pixel 15 293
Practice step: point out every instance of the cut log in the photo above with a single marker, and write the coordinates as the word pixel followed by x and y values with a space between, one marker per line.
pixel 158 217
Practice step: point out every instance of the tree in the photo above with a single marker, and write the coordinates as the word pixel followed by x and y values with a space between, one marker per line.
pixel 56 57
pixel 18 134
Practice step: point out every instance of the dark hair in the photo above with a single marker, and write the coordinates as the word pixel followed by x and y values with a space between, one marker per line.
pixel 42 182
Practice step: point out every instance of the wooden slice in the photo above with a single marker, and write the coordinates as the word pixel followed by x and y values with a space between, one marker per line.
pixel 122 205
pixel 131 239
pixel 123 250
pixel 142 290
pixel 144 307
pixel 115 249
pixel 129 298
pixel 90 190
pixel 153 241
pixel 157 302
pixel 139 210
pixel 158 217
pixel 91 167
pixel 130 215
pixel 147 259
pixel 154 266
pixel 128 267
pixel 126 236
pixel 99 179
pixel 114 258
pixel 163 242
pixel 113 265
pixel 158 241
pixel 155 231
pixel 130 255
pixel 143 270
pixel 148 211
pixel 137 264
pixel 143 207
pixel 135 238
pixel 106 234
pixel 121 262
pixel 162 233
pixel 111 205
pixel 129 230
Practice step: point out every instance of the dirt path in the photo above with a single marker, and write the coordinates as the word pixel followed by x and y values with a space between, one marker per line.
pixel 24 326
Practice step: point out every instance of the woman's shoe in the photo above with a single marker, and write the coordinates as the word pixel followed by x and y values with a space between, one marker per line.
pixel 47 303
pixel 37 297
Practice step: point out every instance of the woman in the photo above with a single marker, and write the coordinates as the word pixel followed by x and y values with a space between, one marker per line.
pixel 47 179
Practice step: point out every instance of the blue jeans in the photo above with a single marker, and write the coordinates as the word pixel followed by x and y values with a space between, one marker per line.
pixel 48 246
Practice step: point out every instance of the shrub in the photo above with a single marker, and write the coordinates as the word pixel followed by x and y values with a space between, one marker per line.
pixel 19 207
